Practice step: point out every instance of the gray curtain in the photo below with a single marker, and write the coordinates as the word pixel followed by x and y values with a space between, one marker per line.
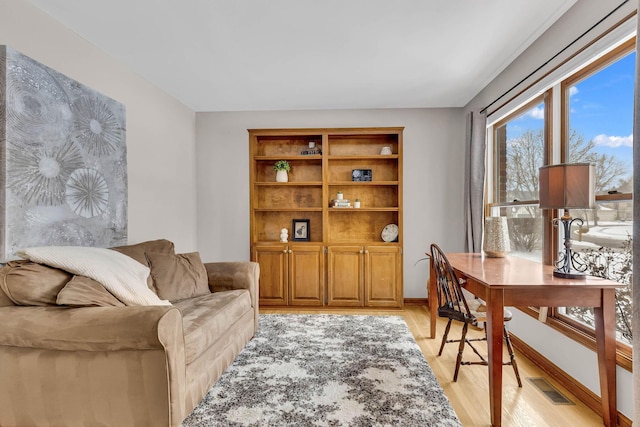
pixel 475 146
pixel 636 241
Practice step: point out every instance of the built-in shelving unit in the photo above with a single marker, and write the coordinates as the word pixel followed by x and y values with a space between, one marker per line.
pixel 345 261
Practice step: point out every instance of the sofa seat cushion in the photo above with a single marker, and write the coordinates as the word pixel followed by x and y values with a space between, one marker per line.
pixel 206 318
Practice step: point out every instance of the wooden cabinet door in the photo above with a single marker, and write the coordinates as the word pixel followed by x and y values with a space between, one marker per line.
pixel 383 276
pixel 306 275
pixel 273 273
pixel 345 282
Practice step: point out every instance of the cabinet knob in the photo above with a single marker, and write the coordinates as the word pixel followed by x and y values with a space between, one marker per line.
pixel 284 251
pixel 366 252
pixel 361 251
pixel 290 251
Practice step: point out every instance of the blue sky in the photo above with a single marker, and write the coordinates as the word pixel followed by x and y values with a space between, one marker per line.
pixel 601 109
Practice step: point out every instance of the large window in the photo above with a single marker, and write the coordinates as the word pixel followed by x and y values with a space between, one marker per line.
pixel 595 125
pixel 598 102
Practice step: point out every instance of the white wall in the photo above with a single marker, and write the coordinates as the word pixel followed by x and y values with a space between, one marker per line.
pixel 433 178
pixel 573 358
pixel 160 130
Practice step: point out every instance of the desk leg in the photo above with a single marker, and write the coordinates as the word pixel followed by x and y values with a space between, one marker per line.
pixel 432 296
pixel 605 318
pixel 495 327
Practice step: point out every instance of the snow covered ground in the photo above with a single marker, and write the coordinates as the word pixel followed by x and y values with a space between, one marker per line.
pixel 610 234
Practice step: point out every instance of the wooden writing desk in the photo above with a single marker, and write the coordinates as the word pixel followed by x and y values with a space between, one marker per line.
pixel 513 281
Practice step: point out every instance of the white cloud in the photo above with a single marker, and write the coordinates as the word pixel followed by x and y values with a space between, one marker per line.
pixel 536 113
pixel 573 90
pixel 614 141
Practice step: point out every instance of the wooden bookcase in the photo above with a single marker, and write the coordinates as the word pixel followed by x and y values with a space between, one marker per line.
pixel 345 261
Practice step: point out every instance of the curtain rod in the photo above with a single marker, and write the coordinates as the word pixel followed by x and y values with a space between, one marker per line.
pixel 554 56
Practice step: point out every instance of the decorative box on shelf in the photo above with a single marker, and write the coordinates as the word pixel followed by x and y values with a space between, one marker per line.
pixel 361 175
pixel 341 203
pixel 313 150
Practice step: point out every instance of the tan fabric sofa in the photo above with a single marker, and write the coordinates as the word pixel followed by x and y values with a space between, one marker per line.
pixel 73 355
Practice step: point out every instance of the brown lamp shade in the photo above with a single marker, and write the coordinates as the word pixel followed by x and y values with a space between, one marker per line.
pixel 568 186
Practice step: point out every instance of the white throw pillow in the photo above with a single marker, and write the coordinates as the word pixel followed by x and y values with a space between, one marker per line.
pixel 121 275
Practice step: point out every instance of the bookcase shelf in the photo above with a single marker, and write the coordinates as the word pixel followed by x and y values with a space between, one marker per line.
pixel 342 259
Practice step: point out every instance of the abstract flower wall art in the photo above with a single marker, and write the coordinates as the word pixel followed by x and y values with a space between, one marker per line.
pixel 63 160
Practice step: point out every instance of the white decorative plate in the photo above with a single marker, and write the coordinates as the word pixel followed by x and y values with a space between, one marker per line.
pixel 390 233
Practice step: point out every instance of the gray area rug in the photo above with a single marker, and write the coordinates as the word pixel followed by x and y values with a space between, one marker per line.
pixel 327 370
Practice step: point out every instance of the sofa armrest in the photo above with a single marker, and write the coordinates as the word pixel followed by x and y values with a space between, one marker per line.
pixel 224 276
pixel 96 360
pixel 90 328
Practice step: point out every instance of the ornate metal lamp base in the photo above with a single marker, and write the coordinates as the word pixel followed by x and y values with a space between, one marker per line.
pixel 571 275
pixel 569 265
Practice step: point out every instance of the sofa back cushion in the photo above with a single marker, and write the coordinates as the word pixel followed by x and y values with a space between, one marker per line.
pixel 83 291
pixel 123 276
pixel 177 277
pixel 138 251
pixel 28 283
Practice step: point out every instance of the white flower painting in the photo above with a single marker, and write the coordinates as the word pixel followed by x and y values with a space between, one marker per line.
pixel 63 158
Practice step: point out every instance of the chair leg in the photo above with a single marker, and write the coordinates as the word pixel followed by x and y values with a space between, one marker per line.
pixel 512 355
pixel 444 337
pixel 463 339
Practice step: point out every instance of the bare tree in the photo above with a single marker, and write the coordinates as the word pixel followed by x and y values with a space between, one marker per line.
pixel 525 156
pixel 610 171
pixel 626 185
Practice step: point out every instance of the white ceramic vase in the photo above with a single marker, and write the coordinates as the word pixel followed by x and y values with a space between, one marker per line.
pixel 282 176
pixel 496 242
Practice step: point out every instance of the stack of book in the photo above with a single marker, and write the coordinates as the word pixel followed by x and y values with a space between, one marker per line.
pixel 341 203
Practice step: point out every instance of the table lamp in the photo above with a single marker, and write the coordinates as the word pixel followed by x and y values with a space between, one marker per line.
pixel 568 186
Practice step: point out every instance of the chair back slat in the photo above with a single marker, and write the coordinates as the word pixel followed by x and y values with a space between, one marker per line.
pixel 451 300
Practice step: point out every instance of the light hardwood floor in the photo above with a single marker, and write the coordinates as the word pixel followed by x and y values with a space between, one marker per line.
pixel 522 407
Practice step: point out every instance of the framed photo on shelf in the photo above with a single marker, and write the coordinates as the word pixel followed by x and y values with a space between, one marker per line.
pixel 301 230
